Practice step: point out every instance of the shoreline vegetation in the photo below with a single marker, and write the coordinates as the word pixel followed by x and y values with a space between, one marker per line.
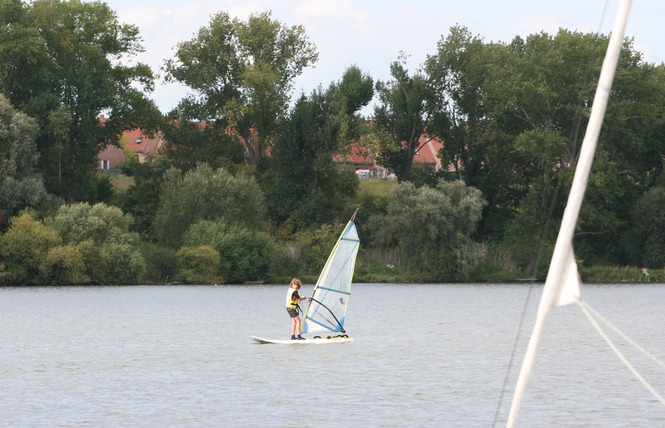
pixel 593 275
pixel 460 174
pixel 200 266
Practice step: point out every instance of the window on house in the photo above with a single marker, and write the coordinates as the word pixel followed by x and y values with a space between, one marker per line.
pixel 105 164
pixel 138 140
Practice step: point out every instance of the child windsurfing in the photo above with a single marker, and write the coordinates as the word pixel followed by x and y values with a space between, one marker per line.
pixel 292 307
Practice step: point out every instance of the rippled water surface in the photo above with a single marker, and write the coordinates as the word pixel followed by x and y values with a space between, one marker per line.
pixel 423 355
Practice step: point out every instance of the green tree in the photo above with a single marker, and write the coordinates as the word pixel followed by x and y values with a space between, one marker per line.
pixel 478 151
pixel 644 242
pixel 64 265
pixel 206 194
pixel 65 63
pixel 519 112
pixel 98 223
pixel 245 255
pixel 142 198
pixel 629 161
pixel 242 73
pixel 305 186
pixel 20 186
pixel 188 144
pixel 431 226
pixel 100 233
pixel 161 263
pixel 401 119
pixel 555 104
pixel 198 264
pixel 24 249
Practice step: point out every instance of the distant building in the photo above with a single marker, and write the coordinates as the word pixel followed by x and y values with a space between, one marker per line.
pixel 427 155
pixel 357 156
pixel 141 143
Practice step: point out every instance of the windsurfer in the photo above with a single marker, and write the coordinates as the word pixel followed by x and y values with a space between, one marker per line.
pixel 292 307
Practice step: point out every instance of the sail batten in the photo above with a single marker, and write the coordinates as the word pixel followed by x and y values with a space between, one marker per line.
pixel 336 291
pixel 327 308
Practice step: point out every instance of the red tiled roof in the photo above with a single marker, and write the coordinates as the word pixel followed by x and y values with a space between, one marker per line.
pixel 428 152
pixel 138 141
pixel 141 143
pixel 358 155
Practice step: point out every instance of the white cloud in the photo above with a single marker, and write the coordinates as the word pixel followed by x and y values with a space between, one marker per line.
pixel 337 8
pixel 335 13
pixel 370 33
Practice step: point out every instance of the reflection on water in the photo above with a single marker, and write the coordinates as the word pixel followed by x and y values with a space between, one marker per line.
pixel 423 355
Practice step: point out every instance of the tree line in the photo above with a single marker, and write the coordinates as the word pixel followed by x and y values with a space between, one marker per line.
pixel 254 194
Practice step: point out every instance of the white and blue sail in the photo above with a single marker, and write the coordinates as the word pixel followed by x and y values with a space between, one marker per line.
pixel 326 312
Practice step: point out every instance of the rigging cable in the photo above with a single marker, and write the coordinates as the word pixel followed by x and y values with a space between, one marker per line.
pixel 512 354
pixel 588 312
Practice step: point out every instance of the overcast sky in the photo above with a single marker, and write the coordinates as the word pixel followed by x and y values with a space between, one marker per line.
pixel 371 33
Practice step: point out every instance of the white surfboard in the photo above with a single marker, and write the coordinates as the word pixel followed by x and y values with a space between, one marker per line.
pixel 318 341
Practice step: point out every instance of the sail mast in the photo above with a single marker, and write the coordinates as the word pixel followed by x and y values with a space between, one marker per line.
pixel 563 282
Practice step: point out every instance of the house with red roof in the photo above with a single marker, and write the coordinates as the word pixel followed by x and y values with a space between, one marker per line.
pixel 143 144
pixel 428 151
pixel 357 156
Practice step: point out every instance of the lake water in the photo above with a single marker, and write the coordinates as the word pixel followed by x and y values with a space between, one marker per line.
pixel 423 355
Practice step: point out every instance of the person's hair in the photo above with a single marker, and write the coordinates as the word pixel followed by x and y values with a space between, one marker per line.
pixel 295 281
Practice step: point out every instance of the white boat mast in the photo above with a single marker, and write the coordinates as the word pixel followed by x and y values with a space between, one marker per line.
pixel 562 285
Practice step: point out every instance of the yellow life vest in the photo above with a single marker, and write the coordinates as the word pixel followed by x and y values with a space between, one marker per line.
pixel 291 300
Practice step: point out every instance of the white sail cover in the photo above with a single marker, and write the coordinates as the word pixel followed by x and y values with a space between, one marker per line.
pixel 327 309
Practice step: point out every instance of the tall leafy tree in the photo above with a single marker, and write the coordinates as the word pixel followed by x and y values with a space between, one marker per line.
pixel 206 194
pixel 188 144
pixel 629 162
pixel 401 119
pixel 65 63
pixel 305 185
pixel 20 186
pixel 550 106
pixel 546 116
pixel 242 73
pixel 519 113
pixel 478 152
pixel 430 227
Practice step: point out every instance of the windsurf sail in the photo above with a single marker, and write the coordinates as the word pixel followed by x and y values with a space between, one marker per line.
pixel 326 312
